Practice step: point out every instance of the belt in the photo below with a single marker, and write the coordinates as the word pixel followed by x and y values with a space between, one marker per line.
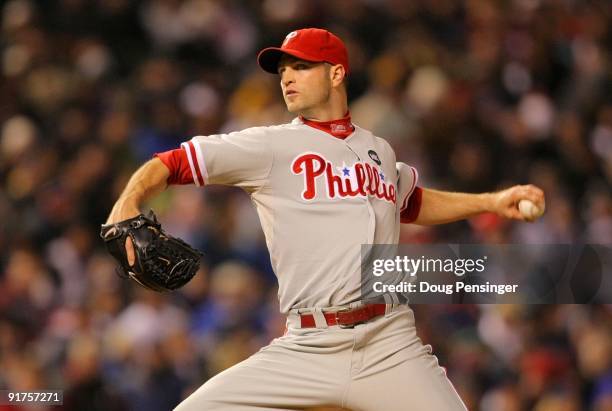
pixel 346 318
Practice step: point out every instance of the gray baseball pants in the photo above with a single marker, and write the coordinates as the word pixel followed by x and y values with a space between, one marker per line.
pixel 379 365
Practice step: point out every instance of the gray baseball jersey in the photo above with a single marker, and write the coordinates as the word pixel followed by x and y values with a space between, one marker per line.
pixel 318 198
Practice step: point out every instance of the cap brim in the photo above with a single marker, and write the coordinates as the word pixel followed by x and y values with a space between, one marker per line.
pixel 269 58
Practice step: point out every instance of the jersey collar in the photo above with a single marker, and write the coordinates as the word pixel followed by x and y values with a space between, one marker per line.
pixel 340 128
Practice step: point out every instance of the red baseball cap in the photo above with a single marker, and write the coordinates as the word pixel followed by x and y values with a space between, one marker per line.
pixel 310 44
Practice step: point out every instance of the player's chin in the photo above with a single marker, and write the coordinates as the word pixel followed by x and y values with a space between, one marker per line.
pixel 293 107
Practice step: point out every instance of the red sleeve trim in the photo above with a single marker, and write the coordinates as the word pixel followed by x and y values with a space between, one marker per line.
pixel 178 165
pixel 196 162
pixel 414 181
pixel 411 212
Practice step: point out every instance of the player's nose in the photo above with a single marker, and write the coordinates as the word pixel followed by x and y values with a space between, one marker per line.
pixel 287 76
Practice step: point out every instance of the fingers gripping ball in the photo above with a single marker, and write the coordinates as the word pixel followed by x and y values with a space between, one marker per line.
pixel 530 210
pixel 162 262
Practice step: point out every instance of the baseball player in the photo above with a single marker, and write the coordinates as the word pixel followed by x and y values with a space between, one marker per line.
pixel 322 186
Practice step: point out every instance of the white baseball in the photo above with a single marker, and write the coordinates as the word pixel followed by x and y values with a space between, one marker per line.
pixel 529 210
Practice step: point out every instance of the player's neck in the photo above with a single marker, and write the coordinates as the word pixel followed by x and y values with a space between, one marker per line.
pixel 340 127
pixel 325 114
pixel 345 117
pixel 335 108
pixel 332 117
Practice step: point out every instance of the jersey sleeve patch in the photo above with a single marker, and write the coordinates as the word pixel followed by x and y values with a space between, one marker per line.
pixel 178 165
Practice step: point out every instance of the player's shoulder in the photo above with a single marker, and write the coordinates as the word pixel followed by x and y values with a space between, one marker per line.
pixel 376 140
pixel 267 130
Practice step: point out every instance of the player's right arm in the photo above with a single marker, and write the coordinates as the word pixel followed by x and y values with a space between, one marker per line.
pixel 240 159
pixel 154 176
pixel 149 180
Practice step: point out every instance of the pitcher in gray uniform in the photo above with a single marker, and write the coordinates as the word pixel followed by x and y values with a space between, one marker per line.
pixel 322 187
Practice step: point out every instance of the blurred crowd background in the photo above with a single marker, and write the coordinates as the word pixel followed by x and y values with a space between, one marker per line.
pixel 476 94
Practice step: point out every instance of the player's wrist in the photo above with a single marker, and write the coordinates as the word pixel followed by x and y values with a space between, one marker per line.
pixel 123 210
pixel 489 202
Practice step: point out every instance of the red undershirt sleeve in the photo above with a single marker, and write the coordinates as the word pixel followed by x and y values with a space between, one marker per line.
pixel 411 212
pixel 178 165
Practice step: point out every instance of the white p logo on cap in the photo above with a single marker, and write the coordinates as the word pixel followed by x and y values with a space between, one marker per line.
pixel 289 37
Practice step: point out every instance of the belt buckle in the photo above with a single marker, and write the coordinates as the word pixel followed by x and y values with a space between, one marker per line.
pixel 344 310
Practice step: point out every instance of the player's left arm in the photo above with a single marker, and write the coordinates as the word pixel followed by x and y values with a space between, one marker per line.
pixel 440 207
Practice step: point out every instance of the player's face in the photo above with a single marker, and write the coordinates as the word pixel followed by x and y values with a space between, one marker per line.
pixel 305 85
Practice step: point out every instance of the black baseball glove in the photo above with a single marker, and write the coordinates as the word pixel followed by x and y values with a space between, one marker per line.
pixel 162 262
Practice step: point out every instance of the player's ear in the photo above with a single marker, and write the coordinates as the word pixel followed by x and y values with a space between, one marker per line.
pixel 337 75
